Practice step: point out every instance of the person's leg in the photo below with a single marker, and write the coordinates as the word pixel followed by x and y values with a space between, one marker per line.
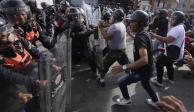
pixel 108 60
pixel 160 63
pixel 90 58
pixel 123 59
pixel 105 50
pixel 170 70
pixel 126 80
pixel 146 85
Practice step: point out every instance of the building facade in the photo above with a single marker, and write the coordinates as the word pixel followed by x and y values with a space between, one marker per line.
pixel 184 5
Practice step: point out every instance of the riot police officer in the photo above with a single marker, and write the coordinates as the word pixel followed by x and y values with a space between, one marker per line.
pixel 19 14
pixel 14 57
pixel 63 6
pixel 80 38
pixel 38 14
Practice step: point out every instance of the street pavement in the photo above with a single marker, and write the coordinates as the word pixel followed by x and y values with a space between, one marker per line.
pixel 88 97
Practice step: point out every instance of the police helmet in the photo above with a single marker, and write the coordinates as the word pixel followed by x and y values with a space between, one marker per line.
pixel 32 4
pixel 163 13
pixel 118 14
pixel 64 3
pixel 44 5
pixel 13 7
pixel 141 17
pixel 50 10
pixel 179 17
pixel 5 26
pixel 107 15
pixel 73 12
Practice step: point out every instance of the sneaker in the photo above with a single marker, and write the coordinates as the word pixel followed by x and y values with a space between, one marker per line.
pixel 123 101
pixel 170 81
pixel 100 82
pixel 152 104
pixel 154 81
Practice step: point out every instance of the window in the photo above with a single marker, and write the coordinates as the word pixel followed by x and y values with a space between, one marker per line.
pixel 192 6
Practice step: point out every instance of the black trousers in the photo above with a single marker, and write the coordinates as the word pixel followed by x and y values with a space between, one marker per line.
pixel 111 57
pixel 162 61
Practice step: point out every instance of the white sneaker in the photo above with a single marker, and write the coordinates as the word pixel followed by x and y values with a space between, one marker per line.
pixel 170 81
pixel 156 82
pixel 122 101
pixel 152 104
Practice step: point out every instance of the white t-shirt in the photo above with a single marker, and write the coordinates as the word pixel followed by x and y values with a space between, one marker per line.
pixel 118 39
pixel 178 32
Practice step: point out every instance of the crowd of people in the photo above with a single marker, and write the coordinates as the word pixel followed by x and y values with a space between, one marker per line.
pixel 22 24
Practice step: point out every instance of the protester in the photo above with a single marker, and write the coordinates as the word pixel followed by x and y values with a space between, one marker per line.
pixel 175 48
pixel 116 37
pixel 143 61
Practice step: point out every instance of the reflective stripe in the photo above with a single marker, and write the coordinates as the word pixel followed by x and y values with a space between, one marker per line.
pixel 20 61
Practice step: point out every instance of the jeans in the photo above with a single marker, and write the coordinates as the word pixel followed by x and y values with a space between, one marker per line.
pixel 133 78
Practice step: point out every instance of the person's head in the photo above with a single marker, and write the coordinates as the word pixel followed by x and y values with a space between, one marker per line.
pixel 163 13
pixel 5 30
pixel 16 11
pixel 177 17
pixel 64 5
pixel 44 5
pixel 50 10
pixel 118 15
pixel 73 14
pixel 107 15
pixel 170 11
pixel 32 4
pixel 138 20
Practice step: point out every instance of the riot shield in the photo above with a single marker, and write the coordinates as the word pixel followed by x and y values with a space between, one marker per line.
pixel 97 43
pixel 99 47
pixel 44 74
pixel 57 70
